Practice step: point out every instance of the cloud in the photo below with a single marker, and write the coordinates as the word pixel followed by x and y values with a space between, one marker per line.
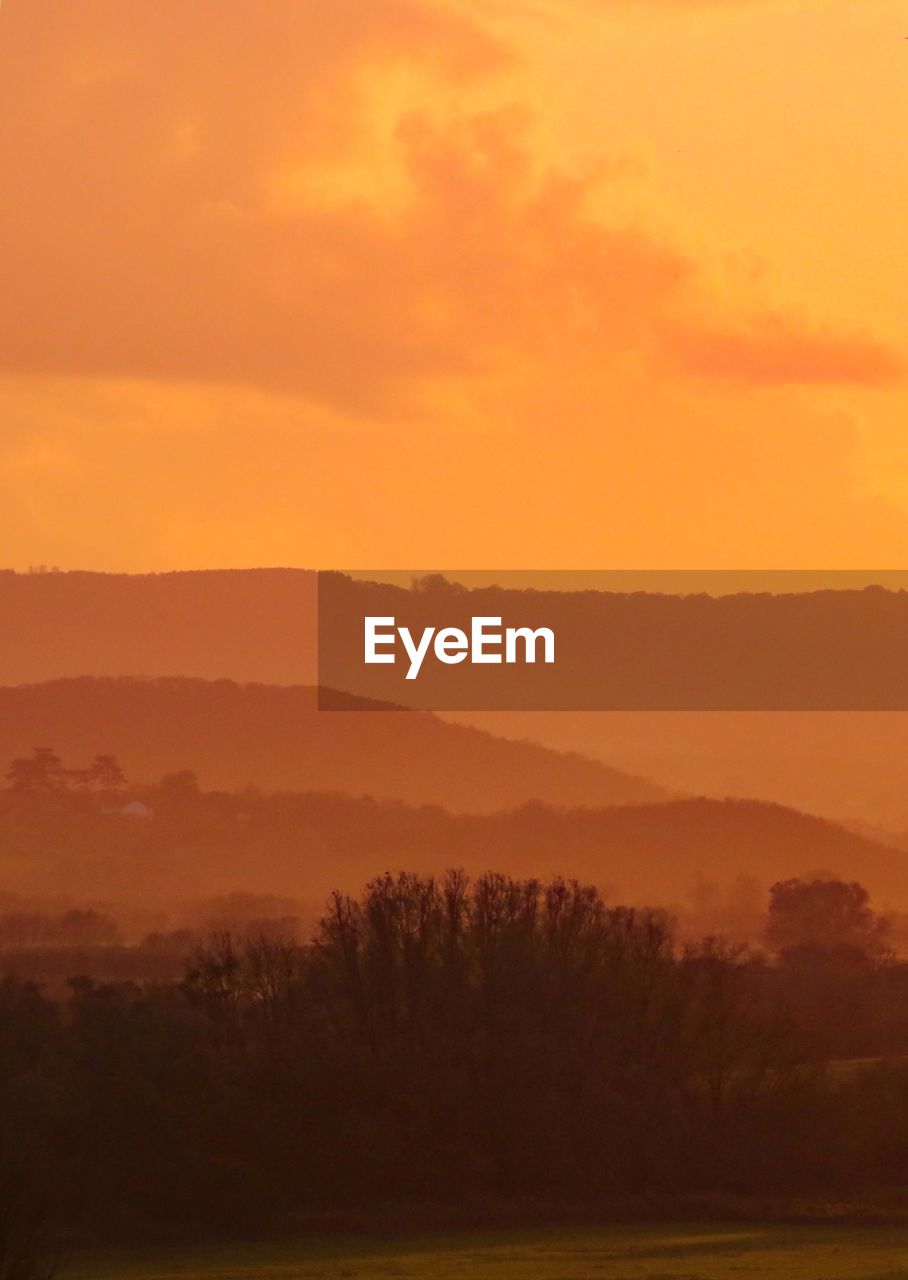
pixel 297 283
pixel 151 145
pixel 774 349
pixel 260 194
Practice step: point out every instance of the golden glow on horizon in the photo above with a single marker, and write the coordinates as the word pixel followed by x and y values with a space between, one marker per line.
pixel 616 283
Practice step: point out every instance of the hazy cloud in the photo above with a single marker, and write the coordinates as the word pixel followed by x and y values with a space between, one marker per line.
pixel 246 193
pixel 773 349
pixel 276 274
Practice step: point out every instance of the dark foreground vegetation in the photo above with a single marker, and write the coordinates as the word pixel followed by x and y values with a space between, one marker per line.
pixel 452 1041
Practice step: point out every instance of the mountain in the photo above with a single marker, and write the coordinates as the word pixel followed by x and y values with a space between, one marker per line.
pixel 713 859
pixel 242 624
pixel 362 792
pixel 274 737
pixel 851 766
pixel 259 626
pixel 617 650
pixel 622 650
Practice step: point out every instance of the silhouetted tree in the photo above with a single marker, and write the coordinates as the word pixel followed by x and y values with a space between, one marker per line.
pixel 179 788
pixel 29 1030
pixel 449 1038
pixel 103 775
pixel 25 1250
pixel 41 771
pixel 825 915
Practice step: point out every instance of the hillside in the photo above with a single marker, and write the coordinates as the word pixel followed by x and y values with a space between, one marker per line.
pixel 851 766
pixel 700 855
pixel 253 624
pixel 273 737
pixel 802 650
pixel 258 626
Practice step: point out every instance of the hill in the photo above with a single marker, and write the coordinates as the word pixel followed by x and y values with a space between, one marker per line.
pixel 249 624
pixel 801 650
pixel 846 765
pixel 697 855
pixel 274 737
pixel 259 626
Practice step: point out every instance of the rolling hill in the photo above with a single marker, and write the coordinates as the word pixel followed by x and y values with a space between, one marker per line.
pixel 274 737
pixel 706 857
pixel 259 626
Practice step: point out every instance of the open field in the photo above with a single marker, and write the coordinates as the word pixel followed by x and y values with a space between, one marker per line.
pixel 621 1253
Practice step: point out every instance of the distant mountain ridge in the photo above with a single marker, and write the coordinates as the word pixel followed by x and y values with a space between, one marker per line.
pixel 273 737
pixel 803 650
pixel 364 792
pixel 258 625
pixel 237 624
pixel 714 859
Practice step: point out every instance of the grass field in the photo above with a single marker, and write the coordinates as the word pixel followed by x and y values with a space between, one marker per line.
pixel 621 1253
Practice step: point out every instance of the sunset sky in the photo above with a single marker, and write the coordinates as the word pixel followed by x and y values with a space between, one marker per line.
pixel 453 282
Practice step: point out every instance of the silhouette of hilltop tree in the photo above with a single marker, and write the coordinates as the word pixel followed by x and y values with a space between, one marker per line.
pixel 104 774
pixel 41 771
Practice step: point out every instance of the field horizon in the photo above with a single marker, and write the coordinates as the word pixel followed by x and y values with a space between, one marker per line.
pixel 668 1251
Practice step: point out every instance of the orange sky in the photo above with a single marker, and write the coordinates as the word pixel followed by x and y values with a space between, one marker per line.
pixel 489 282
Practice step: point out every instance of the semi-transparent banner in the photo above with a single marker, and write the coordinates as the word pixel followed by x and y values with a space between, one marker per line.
pixel 613 640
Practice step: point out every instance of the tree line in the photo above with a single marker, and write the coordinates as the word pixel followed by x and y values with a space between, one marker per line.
pixel 43 772
pixel 455 1039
